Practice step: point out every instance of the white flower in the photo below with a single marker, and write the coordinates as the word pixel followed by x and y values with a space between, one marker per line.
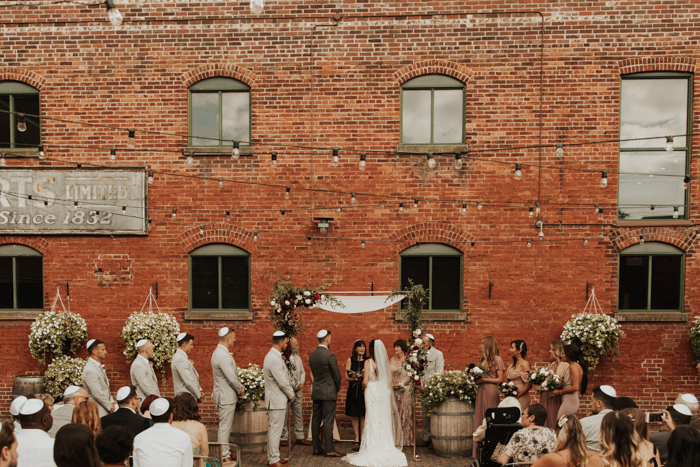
pixel 418 342
pixel 306 293
pixel 417 332
pixel 416 378
pixel 273 303
pixel 299 297
pixel 307 301
pixel 286 302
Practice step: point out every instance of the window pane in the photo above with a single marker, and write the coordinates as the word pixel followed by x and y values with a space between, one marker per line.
pixel 416 268
pixel 235 114
pixel 4 122
pixel 415 117
pixel 447 283
pixel 31 137
pixel 666 282
pixel 205 282
pixel 204 108
pixel 447 120
pixel 30 283
pixel 234 282
pixel 645 190
pixel 653 107
pixel 6 292
pixel 634 282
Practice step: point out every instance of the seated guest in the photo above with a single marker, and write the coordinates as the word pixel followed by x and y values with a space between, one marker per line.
pixel 510 402
pixel 162 445
pixel 14 411
pixel 88 413
pixel 8 446
pixel 684 447
pixel 692 403
pixel 678 414
pixel 75 447
pixel 114 445
pixel 72 396
pixel 649 451
pixel 47 398
pixel 619 443
pixel 602 403
pixel 624 403
pixel 145 404
pixel 186 418
pixel 570 450
pixel 126 415
pixel 533 439
pixel 34 445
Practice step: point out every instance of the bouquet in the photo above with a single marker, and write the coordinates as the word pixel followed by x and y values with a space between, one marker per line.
pixel 476 371
pixel 539 376
pixel 253 381
pixel 507 389
pixel 551 383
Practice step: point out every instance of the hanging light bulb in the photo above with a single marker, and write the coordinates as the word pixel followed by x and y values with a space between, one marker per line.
pixel 78 165
pixel 174 213
pixel 131 141
pixel 2 160
pixel 235 154
pixel 641 239
pixel 282 211
pixel 273 159
pixel 686 181
pixel 651 210
pixel 112 154
pixel 309 240
pixel 458 161
pixel 340 208
pixel 149 221
pixel 431 161
pixel 537 208
pixel 529 245
pixel 600 214
pixel 286 193
pixel 352 198
pixel 531 213
pixel 42 154
pixel 190 159
pixel 464 208
pixel 363 161
pixel 335 160
pixel 585 241
pixel 518 171
pixel 415 204
pixel 123 209
pixel 221 183
pixel 228 215
pixel 363 243
pixel 255 236
pixel 603 179
pixel 257 6
pixel 560 150
pixel 478 205
pixel 669 144
pixel 75 205
pixel 675 212
pixel 201 230
pixel 417 247
pixel 597 208
pixel 115 16
pixel 21 123
pixel 150 177
pixel 400 207
pixel 541 234
pixel 46 202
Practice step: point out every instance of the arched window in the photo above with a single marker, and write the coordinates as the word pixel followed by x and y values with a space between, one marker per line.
pixel 17 132
pixel 220 110
pixel 219 278
pixel 438 268
pixel 432 110
pixel 21 278
pixel 650 278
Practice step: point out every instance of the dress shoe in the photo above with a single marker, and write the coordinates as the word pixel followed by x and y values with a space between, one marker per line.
pixel 284 461
pixel 284 443
pixel 424 444
pixel 335 454
pixel 303 442
pixel 319 452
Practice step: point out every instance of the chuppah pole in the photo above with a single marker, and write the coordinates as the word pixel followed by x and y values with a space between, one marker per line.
pixel 289 431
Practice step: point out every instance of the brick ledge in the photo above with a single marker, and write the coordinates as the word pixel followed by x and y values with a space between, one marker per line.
pixel 651 317
pixel 437 316
pixel 218 315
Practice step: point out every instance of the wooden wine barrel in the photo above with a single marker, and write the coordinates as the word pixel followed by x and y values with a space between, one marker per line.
pixel 249 430
pixel 452 428
pixel 28 385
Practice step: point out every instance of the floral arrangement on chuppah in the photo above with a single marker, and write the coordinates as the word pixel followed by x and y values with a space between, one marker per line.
pixel 252 379
pixel 595 333
pixel 286 300
pixel 695 338
pixel 441 386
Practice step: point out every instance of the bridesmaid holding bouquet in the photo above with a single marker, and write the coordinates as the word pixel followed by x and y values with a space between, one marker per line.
pixel 559 368
pixel 574 382
pixel 518 373
pixel 487 394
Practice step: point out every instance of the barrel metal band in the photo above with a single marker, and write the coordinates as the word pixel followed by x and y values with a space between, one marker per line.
pixel 451 414
pixel 249 435
pixel 452 438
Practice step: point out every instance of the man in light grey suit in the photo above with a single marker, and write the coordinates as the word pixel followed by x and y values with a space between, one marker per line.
pixel 436 364
pixel 278 390
pixel 142 374
pixel 324 394
pixel 297 378
pixel 95 377
pixel 72 396
pixel 185 377
pixel 227 388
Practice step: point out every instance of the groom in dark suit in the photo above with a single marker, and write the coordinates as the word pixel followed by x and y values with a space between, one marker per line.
pixel 324 393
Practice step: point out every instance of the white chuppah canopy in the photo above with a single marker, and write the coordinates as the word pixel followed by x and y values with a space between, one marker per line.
pixel 361 303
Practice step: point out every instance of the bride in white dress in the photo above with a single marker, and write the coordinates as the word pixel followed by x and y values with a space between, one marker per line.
pixel 382 439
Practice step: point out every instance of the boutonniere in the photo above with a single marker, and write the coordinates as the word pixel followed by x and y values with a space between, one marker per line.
pixel 191 362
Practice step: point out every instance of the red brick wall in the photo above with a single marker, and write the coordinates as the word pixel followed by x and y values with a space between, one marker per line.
pixel 325 82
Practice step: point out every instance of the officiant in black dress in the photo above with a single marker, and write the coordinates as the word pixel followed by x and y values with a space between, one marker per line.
pixel 355 398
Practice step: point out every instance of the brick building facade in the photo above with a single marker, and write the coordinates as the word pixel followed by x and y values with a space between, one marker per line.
pixel 326 75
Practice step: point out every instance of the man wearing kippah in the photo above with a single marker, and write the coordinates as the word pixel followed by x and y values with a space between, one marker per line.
pixel 142 374
pixel 34 445
pixel 601 403
pixel 185 377
pixel 127 415
pixel 227 387
pixel 95 377
pixel 162 445
pixel 14 411
pixel 72 396
pixel 278 391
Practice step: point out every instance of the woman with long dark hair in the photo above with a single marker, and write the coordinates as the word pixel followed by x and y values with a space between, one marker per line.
pixel 355 398
pixel 517 372
pixel 574 382
pixel 75 447
pixel 684 447
pixel 186 418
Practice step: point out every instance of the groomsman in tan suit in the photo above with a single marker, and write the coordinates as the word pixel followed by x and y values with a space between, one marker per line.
pixel 298 377
pixel 95 377
pixel 142 374
pixel 278 390
pixel 227 388
pixel 185 377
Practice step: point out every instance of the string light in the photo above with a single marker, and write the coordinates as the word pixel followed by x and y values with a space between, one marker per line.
pixel 221 183
pixel 21 123
pixel 529 244
pixel 417 247
pixel 651 210
pixel 190 158
pixel 174 213
pixel 458 161
pixel 235 154
pixel 79 165
pixel 541 234
pixel 641 239
pixel 340 208
pixel 286 193
pixel 560 150
pixel 130 142
pixel 363 161
pixel 686 181
pixel 675 212
pixel 123 209
pixel 255 236
pixel 2 160
pixel 149 221
pixel 115 16
pixel 597 208
pixel 228 215
pixel 273 160
pixel 335 160
pixel 150 178
pixel 669 144
pixel 42 154
pixel 352 198
pixel 75 205
pixel 464 208
pixel 415 204
pixel 478 205
pixel 201 230
pixel 400 207
pixel 431 161
pixel 309 240
pixel 603 179
pixel 363 243
pixel 600 214
pixel 112 154
pixel 518 171
pixel 531 213
pixel 537 208
pixel 282 211
pixel 585 241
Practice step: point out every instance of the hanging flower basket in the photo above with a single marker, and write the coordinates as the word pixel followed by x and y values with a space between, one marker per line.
pixel 63 372
pixel 596 334
pixel 695 338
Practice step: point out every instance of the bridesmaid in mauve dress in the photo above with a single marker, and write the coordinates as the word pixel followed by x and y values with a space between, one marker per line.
pixel 487 394
pixel 549 401
pixel 402 393
pixel 574 382
pixel 517 372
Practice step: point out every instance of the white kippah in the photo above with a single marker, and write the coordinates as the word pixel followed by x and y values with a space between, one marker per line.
pixel 17 404
pixel 279 334
pixel 33 406
pixel 123 393
pixel 71 390
pixel 689 398
pixel 322 333
pixel 430 336
pixel 89 343
pixel 683 410
pixel 223 331
pixel 159 407
pixel 181 336
pixel 608 390
pixel 141 343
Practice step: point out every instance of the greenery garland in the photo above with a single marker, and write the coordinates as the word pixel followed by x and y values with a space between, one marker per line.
pixel 56 333
pixel 595 334
pixel 695 338
pixel 415 299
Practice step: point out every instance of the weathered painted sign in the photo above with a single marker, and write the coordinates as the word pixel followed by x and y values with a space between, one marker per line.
pixel 70 201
